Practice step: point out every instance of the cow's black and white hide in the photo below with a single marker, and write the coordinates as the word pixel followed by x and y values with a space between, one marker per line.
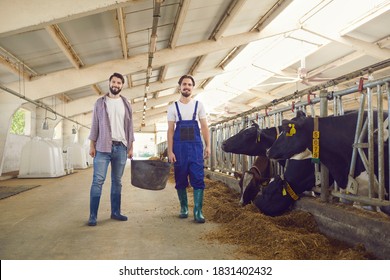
pixel 252 181
pixel 164 155
pixel 337 135
pixel 277 198
pixel 273 197
pixel 336 140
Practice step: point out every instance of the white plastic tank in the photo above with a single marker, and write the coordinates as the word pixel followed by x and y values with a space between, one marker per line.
pixel 77 156
pixel 41 159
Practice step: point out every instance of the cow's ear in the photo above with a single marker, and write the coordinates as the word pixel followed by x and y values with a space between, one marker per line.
pixel 300 114
pixel 237 175
pixel 255 124
pixel 290 127
pixel 285 125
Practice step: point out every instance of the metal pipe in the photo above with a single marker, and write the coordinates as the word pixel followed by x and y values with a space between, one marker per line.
pixel 326 85
pixel 39 104
pixel 381 148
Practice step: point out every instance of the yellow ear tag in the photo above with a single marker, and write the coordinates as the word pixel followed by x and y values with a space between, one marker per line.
pixel 258 139
pixel 284 193
pixel 292 130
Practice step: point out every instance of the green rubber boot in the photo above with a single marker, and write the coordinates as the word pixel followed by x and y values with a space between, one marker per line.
pixel 182 194
pixel 198 204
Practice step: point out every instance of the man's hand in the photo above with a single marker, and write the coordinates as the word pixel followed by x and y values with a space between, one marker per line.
pixel 130 152
pixel 92 151
pixel 206 152
pixel 171 157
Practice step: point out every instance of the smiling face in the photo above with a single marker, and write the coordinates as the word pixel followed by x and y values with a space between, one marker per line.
pixel 186 87
pixel 115 85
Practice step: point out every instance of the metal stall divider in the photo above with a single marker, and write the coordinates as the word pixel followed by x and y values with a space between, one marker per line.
pixel 337 108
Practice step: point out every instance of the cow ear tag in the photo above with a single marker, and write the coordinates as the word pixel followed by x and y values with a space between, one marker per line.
pixel 292 130
pixel 284 193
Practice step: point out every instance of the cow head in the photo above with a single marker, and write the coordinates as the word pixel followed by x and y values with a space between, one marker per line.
pixel 248 186
pixel 251 141
pixel 244 142
pixel 253 180
pixel 275 199
pixel 295 138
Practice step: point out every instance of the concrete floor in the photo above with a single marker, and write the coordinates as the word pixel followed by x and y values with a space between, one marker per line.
pixel 49 223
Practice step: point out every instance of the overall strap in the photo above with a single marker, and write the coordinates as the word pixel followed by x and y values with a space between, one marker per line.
pixel 194 115
pixel 178 111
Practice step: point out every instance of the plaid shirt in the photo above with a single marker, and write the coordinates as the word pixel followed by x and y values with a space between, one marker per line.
pixel 101 128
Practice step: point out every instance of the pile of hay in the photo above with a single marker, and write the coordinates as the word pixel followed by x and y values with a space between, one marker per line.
pixel 292 236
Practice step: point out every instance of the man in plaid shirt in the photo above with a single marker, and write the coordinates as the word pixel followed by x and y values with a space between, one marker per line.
pixel 111 141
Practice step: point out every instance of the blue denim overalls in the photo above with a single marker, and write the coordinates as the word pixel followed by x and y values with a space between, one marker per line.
pixel 188 149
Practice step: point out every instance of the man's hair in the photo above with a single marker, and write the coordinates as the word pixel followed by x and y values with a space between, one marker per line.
pixel 186 77
pixel 118 76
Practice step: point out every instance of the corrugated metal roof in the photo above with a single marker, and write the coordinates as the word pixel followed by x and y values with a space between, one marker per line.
pixel 69 51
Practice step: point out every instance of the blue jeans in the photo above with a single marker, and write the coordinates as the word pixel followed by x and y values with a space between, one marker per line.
pixel 118 158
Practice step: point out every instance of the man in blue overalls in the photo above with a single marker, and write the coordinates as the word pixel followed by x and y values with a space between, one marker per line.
pixel 185 146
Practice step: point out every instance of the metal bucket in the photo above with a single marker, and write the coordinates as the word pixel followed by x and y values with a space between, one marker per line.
pixel 149 174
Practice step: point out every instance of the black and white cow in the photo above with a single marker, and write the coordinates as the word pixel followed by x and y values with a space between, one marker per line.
pixel 336 138
pixel 251 141
pixel 271 198
pixel 337 135
pixel 164 154
pixel 253 180
pixel 281 194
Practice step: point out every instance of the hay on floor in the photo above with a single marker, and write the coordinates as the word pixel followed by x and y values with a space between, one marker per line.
pixel 291 236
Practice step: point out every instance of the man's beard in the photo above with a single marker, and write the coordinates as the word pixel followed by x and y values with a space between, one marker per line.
pixel 186 93
pixel 115 91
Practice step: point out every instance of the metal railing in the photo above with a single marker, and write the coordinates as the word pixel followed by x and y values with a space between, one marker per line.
pixel 228 163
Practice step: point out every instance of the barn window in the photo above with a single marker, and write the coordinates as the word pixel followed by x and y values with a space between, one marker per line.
pixel 21 122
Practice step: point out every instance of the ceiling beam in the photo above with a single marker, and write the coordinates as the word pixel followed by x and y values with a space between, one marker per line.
pixel 16 69
pixel 233 9
pixel 179 21
pixel 122 31
pixel 228 15
pixel 384 43
pixel 22 16
pixel 97 89
pixel 149 113
pixel 367 17
pixel 15 65
pixel 63 43
pixel 370 49
pixel 38 88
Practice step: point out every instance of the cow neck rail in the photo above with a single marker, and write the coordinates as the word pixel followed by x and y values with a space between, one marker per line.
pixel 295 95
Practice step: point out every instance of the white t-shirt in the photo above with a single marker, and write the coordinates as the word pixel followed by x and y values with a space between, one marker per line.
pixel 186 111
pixel 116 114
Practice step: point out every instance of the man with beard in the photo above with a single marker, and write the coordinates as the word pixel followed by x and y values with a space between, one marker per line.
pixel 112 137
pixel 185 146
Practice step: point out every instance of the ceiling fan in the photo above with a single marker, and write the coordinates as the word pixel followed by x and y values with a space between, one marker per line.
pixel 300 77
pixel 223 113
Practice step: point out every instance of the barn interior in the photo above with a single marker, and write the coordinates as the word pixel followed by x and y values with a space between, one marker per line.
pixel 248 57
